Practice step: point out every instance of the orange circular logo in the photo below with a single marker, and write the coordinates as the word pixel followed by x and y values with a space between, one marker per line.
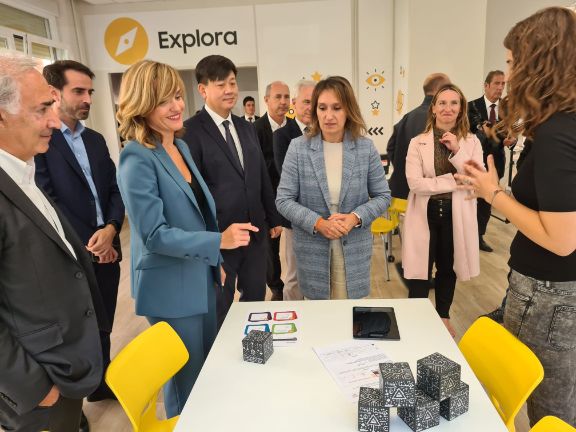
pixel 126 41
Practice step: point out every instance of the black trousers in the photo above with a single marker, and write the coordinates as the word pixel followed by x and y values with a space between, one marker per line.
pixel 63 416
pixel 273 266
pixel 108 277
pixel 483 210
pixel 441 253
pixel 245 270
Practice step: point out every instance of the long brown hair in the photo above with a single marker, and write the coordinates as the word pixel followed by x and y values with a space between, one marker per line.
pixel 462 124
pixel 343 90
pixel 145 85
pixel 542 78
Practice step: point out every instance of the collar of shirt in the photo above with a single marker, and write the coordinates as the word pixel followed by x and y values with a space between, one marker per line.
pixel 67 131
pixel 488 103
pixel 21 172
pixel 275 125
pixel 218 119
pixel 301 125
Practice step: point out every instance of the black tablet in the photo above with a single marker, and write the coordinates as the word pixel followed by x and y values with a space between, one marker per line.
pixel 375 323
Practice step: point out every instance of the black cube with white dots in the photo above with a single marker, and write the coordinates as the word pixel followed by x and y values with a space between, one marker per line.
pixel 257 346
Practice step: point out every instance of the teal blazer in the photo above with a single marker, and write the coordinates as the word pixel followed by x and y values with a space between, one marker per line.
pixel 175 252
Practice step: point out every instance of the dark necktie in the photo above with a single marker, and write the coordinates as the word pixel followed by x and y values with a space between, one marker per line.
pixel 230 142
pixel 492 115
pixel 250 119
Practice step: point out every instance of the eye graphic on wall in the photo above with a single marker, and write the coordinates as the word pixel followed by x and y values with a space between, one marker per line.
pixel 375 79
pixel 291 113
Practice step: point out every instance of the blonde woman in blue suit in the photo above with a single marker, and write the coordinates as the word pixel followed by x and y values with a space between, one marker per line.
pixel 332 187
pixel 175 242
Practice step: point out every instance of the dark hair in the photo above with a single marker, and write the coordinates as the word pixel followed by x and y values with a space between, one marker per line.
pixel 345 94
pixel 55 73
pixel 248 99
pixel 491 76
pixel 214 68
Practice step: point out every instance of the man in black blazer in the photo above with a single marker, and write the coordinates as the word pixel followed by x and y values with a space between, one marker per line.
pixel 80 177
pixel 51 308
pixel 249 105
pixel 226 150
pixel 277 99
pixel 411 125
pixel 302 102
pixel 483 114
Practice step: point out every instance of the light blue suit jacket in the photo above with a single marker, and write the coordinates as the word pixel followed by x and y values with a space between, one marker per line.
pixel 303 197
pixel 175 253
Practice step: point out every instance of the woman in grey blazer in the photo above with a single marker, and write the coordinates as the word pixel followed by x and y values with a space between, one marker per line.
pixel 332 187
pixel 175 242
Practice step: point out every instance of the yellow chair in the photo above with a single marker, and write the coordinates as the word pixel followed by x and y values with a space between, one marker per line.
pixel 552 424
pixel 139 371
pixel 506 367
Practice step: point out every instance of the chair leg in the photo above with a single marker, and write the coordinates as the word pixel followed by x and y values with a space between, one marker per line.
pixel 386 257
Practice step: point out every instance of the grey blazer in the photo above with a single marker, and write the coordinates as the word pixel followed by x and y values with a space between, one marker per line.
pixel 49 305
pixel 303 197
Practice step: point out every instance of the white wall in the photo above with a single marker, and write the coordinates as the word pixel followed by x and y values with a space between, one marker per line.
pixel 446 36
pixel 375 67
pixel 500 17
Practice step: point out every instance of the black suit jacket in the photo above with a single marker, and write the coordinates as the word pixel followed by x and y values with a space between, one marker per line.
pixel 50 307
pixel 477 113
pixel 60 175
pixel 265 138
pixel 280 142
pixel 412 124
pixel 241 195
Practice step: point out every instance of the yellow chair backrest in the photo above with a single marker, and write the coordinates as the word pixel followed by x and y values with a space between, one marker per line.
pixel 398 205
pixel 506 367
pixel 552 424
pixel 139 371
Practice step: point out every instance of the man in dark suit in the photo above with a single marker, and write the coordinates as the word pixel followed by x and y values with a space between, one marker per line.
pixel 250 109
pixel 302 102
pixel 80 177
pixel 483 114
pixel 277 99
pixel 226 150
pixel 411 125
pixel 51 307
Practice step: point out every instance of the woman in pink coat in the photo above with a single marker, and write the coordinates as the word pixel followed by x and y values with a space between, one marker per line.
pixel 440 225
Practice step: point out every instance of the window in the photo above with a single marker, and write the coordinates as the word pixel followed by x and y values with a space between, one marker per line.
pixel 30 34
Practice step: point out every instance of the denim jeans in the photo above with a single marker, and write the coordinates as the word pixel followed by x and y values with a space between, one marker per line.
pixel 542 314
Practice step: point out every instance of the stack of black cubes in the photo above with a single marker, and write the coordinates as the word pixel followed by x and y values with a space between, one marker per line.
pixel 437 392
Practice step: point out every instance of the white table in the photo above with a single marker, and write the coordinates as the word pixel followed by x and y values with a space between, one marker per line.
pixel 293 392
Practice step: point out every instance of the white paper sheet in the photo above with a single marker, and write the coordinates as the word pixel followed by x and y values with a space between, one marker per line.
pixel 353 364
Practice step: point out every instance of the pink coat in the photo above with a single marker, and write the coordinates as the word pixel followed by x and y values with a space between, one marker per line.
pixel 423 183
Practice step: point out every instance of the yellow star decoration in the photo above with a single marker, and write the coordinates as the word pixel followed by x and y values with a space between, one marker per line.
pixel 375 112
pixel 316 76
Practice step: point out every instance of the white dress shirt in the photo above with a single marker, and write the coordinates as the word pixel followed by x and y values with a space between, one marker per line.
pixel 218 119
pixel 301 125
pixel 488 103
pixel 275 125
pixel 23 175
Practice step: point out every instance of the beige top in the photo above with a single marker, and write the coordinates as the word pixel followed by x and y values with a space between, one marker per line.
pixel 333 161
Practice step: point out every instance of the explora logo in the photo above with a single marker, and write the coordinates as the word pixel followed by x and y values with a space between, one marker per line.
pixel 197 39
pixel 126 41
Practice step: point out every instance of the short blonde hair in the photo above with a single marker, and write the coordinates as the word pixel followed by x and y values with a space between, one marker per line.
pixel 145 85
